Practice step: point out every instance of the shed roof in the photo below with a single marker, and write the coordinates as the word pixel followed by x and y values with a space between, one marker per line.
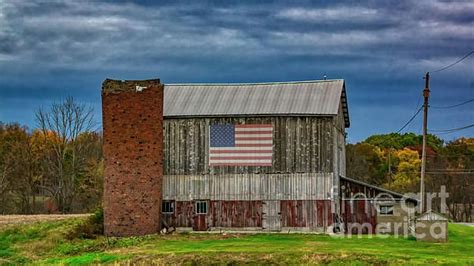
pixel 431 216
pixel 296 98
pixel 393 193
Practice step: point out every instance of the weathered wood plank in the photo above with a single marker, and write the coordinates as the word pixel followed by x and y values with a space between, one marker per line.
pixel 301 186
pixel 301 145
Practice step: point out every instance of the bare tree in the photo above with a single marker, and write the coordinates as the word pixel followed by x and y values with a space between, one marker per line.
pixel 66 161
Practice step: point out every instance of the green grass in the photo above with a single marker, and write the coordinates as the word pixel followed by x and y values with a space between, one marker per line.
pixel 44 243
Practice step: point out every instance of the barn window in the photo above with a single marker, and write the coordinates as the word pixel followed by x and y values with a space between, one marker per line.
pixel 201 207
pixel 386 210
pixel 167 206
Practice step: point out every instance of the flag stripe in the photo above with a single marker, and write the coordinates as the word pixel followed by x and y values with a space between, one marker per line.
pixel 253 131
pixel 253 155
pixel 245 135
pixel 254 138
pixel 253 142
pixel 254 126
pixel 254 145
pixel 251 158
pixel 240 164
pixel 240 151
pixel 268 148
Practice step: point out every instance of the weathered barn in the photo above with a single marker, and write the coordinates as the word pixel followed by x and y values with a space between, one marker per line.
pixel 252 156
pixel 298 187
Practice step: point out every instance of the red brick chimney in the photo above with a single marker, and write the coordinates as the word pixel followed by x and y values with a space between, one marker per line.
pixel 132 117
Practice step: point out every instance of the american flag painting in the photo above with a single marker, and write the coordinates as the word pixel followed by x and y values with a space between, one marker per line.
pixel 241 145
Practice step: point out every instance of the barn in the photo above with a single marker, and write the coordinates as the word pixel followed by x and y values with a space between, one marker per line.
pixel 240 157
pixel 283 174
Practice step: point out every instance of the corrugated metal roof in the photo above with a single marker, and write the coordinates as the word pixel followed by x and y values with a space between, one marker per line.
pixel 319 97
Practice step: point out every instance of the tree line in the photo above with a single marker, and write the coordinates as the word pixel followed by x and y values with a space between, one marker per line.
pixel 393 161
pixel 58 165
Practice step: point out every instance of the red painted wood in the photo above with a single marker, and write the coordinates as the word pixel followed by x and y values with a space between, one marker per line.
pixel 306 213
pixel 359 212
pixel 294 213
pixel 236 213
pixel 199 222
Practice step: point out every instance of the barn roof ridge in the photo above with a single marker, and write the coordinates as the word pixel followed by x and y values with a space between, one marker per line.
pixel 255 83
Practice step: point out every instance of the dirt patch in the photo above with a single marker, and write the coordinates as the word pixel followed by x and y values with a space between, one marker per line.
pixel 7 220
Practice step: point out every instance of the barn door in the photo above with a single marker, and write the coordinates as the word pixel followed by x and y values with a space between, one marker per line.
pixel 200 215
pixel 271 215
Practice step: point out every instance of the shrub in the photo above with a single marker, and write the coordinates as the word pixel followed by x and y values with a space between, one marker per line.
pixel 90 228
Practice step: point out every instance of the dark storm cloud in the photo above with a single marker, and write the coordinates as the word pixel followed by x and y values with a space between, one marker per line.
pixel 49 49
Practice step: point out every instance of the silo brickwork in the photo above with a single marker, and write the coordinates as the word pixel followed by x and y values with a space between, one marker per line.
pixel 132 113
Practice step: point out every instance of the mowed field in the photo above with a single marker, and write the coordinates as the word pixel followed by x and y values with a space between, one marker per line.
pixel 8 220
pixel 50 242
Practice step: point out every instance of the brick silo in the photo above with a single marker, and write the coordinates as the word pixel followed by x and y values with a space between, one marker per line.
pixel 132 113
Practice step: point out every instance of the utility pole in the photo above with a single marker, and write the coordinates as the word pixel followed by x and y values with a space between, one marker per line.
pixel 389 165
pixel 426 95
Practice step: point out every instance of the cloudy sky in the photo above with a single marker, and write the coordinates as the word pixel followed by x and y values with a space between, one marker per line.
pixel 52 49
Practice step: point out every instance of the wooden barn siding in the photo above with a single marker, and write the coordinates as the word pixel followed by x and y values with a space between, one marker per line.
pixel 247 214
pixel 301 145
pixel 183 215
pixel 341 142
pixel 306 213
pixel 236 213
pixel 359 212
pixel 220 214
pixel 339 154
pixel 299 186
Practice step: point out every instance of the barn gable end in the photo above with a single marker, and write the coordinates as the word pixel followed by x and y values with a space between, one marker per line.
pixel 297 191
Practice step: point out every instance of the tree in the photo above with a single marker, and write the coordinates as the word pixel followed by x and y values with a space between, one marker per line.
pixel 408 167
pixel 65 159
pixel 452 166
pixel 364 162
pixel 89 190
pixel 4 170
pixel 447 165
pixel 399 141
pixel 19 176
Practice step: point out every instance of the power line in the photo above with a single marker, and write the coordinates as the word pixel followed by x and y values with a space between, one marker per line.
pixel 410 120
pixel 404 126
pixel 418 105
pixel 460 144
pixel 452 106
pixel 455 63
pixel 444 156
pixel 471 170
pixel 439 172
pixel 443 173
pixel 452 129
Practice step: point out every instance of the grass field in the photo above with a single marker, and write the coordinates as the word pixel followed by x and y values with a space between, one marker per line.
pixel 45 243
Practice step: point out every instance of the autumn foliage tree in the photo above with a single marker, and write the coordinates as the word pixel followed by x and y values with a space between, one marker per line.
pixel 20 173
pixel 406 178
